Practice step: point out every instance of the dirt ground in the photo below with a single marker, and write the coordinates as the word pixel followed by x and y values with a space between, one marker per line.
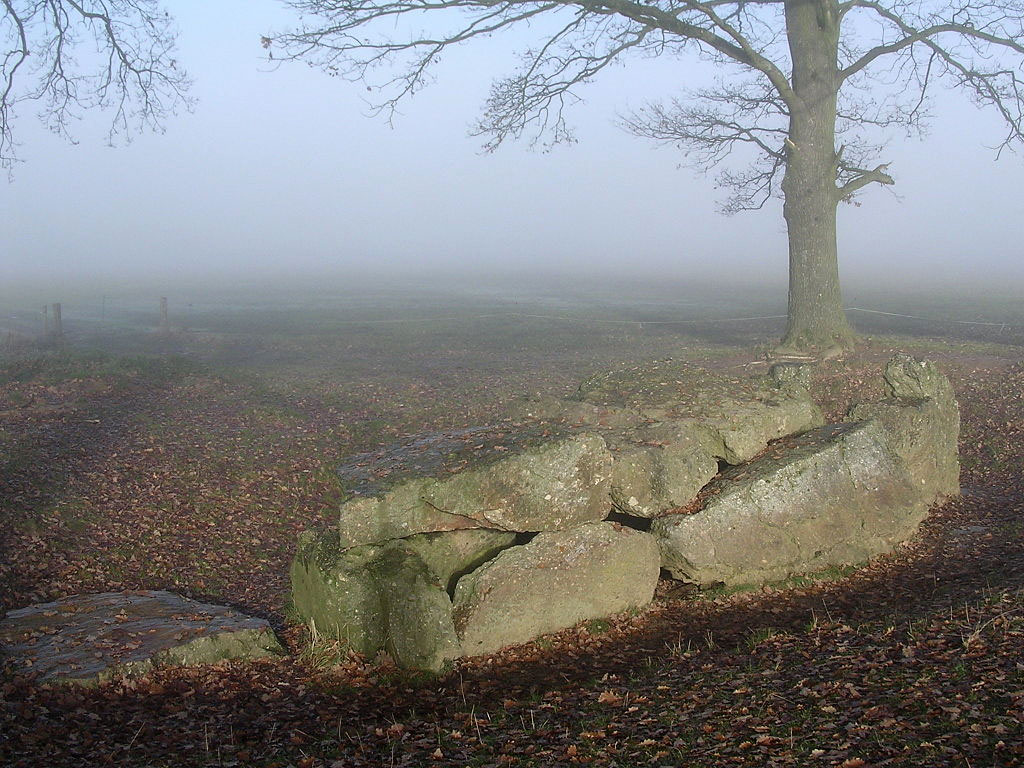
pixel 190 462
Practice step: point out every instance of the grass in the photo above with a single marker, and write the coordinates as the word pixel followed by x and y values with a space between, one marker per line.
pixel 827 574
pixel 756 636
pixel 50 368
pixel 597 626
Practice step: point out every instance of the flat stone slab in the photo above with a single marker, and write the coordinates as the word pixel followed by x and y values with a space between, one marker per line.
pixel 834 495
pixel 438 455
pixel 89 639
pixel 674 389
pixel 553 484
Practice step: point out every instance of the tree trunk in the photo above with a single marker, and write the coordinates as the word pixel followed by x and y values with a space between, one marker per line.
pixel 816 318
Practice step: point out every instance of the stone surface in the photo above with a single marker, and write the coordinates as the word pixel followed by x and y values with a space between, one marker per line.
pixel 88 639
pixel 394 514
pixel 336 594
pixel 437 455
pixel 907 378
pixel 921 420
pixel 391 596
pixel 551 486
pixel 790 375
pixel 554 581
pixel 450 554
pixel 740 413
pixel 663 467
pixel 745 427
pixel 418 611
pixel 669 422
pixel 835 495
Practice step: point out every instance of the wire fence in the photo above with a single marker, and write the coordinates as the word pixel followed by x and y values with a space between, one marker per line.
pixel 57 323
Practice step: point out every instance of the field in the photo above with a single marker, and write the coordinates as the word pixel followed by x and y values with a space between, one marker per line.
pixel 189 459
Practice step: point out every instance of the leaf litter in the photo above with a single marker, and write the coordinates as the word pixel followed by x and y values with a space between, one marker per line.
pixel 199 484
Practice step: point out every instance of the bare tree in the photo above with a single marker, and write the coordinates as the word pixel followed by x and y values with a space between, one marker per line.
pixel 803 85
pixel 66 56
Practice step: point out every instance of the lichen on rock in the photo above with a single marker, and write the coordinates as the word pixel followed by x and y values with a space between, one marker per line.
pixel 89 639
pixel 556 580
pixel 391 596
pixel 550 485
pixel 427 563
pixel 921 421
pixel 834 495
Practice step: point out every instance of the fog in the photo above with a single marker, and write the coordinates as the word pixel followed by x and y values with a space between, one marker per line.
pixel 280 179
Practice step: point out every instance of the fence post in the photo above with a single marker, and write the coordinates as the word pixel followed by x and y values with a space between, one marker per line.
pixel 58 327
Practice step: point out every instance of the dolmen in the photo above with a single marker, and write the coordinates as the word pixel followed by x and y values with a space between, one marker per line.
pixel 461 543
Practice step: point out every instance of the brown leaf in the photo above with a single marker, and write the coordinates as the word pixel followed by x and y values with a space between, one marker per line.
pixel 609 697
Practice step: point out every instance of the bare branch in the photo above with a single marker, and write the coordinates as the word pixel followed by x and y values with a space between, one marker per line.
pixel 711 124
pixel 592 35
pixel 753 57
pixel 861 178
pixel 926 35
pixel 752 186
pixel 116 55
pixel 921 40
pixel 537 95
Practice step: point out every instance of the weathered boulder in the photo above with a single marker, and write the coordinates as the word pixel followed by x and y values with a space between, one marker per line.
pixel 909 379
pixel 89 639
pixel 450 554
pixel 921 421
pixel 740 414
pixel 335 592
pixel 667 424
pixel 417 611
pixel 835 495
pixel 550 486
pixel 554 581
pixel 391 596
pixel 662 467
pixel 791 375
pixel 745 427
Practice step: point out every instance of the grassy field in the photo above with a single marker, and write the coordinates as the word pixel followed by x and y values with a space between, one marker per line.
pixel 190 460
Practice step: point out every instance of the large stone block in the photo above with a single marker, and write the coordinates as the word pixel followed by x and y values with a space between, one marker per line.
pixel 921 421
pixel 834 495
pixel 450 554
pixel 391 596
pixel 90 639
pixel 551 486
pixel 334 591
pixel 418 611
pixel 554 581
pixel 742 413
pixel 745 427
pixel 662 468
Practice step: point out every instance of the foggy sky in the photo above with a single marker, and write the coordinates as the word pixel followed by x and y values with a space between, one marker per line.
pixel 280 171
